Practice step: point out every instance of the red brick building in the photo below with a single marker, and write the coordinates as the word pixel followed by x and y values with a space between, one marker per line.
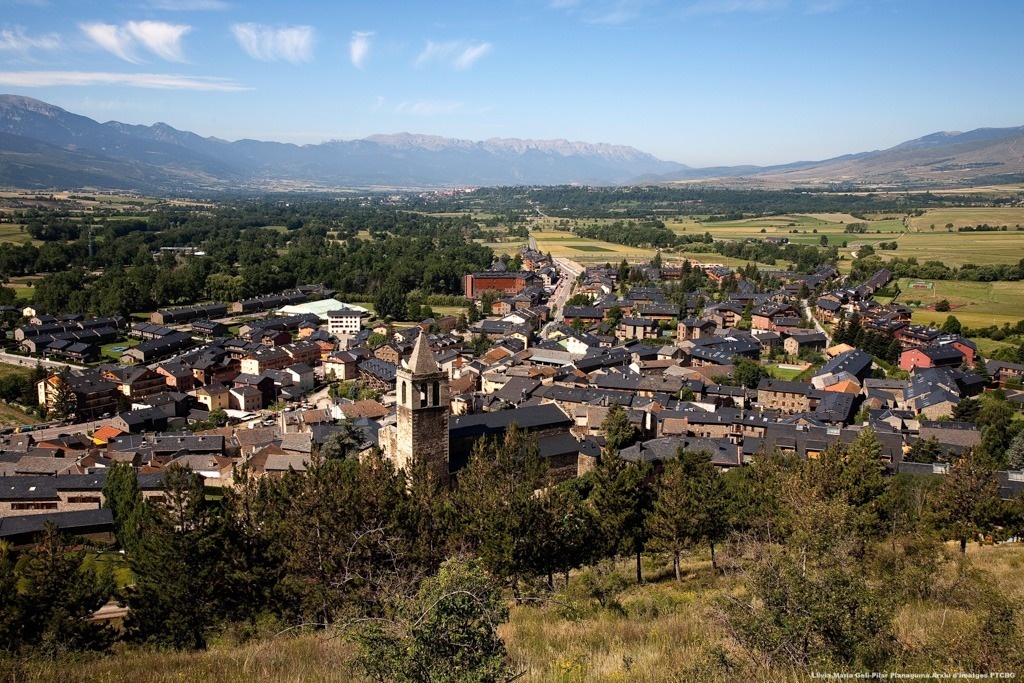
pixel 505 283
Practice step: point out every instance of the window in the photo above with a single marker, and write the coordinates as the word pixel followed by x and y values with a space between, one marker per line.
pixel 437 394
pixel 33 506
pixel 83 500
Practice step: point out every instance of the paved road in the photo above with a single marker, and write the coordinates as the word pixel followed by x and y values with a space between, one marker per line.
pixel 26 362
pixel 569 270
pixel 78 428
pixel 810 316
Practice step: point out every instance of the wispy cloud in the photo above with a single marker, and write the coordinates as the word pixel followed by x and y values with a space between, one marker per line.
pixel 17 41
pixel 606 12
pixel 269 44
pixel 112 38
pixel 428 107
pixel 187 5
pixel 458 54
pixel 359 47
pixel 42 79
pixel 159 37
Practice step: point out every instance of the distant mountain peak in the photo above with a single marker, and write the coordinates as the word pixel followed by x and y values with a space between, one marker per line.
pixel 164 156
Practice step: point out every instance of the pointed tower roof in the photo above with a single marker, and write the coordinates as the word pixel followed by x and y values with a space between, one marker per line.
pixel 422 361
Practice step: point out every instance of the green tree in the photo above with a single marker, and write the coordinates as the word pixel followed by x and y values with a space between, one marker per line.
pixel 952 325
pixel 968 499
pixel 1015 453
pixel 10 602
pixel 122 494
pixel 252 562
pixel 804 609
pixel 613 315
pixel 749 373
pixel 390 300
pixel 338 531
pixel 689 507
pixel 618 431
pixel 621 501
pixel 178 577
pixel 568 535
pixel 942 306
pixel 446 633
pixel 63 405
pixel 924 450
pixel 500 517
pixel 344 442
pixel 58 596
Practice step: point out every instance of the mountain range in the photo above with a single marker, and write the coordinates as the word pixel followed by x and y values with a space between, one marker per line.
pixel 45 147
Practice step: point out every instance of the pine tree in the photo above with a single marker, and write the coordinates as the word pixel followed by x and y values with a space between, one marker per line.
pixel 121 493
pixel 568 531
pixel 63 405
pixel 968 499
pixel 252 564
pixel 177 566
pixel 1015 453
pixel 10 602
pixel 499 514
pixel 338 530
pixel 689 506
pixel 58 595
pixel 924 451
pixel 621 501
pixel 618 431
pixel 447 632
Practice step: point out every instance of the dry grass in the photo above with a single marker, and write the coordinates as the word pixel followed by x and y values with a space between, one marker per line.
pixel 309 657
pixel 661 631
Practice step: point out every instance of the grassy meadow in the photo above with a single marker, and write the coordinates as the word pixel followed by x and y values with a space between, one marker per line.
pixel 12 415
pixel 975 304
pixel 659 631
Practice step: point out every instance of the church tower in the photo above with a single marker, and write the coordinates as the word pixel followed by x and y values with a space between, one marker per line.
pixel 423 409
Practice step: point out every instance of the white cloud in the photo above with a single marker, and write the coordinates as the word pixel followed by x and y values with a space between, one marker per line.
pixel 16 40
pixel 458 54
pixel 112 38
pixel 472 53
pixel 359 47
pixel 159 37
pixel 268 44
pixel 428 107
pixel 40 79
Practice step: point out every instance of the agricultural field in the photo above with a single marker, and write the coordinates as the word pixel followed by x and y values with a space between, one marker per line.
pixel 586 250
pixel 1010 216
pixel 810 228
pixel 15 234
pixel 959 248
pixel 975 304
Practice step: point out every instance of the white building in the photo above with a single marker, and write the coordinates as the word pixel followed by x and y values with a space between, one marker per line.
pixel 344 321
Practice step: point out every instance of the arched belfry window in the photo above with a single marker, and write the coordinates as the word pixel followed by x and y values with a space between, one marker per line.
pixel 404 384
pixel 423 395
pixel 437 394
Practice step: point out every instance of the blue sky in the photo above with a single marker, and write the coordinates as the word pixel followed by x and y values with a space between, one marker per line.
pixel 701 82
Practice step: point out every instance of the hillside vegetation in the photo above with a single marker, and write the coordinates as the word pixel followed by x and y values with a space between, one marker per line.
pixel 660 631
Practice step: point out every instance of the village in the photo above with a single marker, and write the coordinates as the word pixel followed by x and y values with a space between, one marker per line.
pixel 552 348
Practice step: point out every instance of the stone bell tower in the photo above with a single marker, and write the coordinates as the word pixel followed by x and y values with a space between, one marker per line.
pixel 423 409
